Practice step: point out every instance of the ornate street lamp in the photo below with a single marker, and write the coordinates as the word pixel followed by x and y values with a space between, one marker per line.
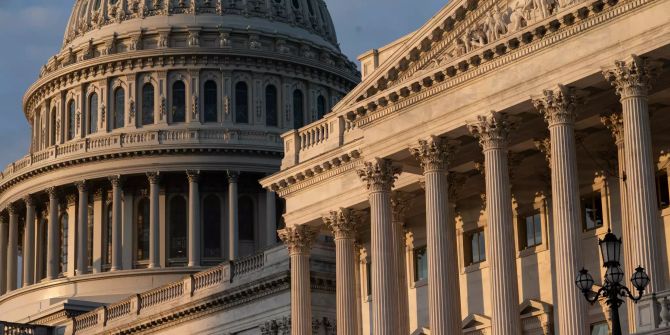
pixel 613 291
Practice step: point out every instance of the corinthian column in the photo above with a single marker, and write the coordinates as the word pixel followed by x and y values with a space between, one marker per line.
pixel 82 229
pixel 614 123
pixel 443 288
pixel 399 205
pixel 379 177
pixel 12 247
pixel 53 233
pixel 29 242
pixel 632 80
pixel 117 257
pixel 3 254
pixel 154 188
pixel 193 218
pixel 343 224
pixel 492 132
pixel 299 240
pixel 558 108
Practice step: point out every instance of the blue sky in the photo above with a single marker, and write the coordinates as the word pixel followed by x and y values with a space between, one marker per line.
pixel 32 32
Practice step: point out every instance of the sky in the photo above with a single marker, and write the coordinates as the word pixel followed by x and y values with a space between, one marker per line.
pixel 32 32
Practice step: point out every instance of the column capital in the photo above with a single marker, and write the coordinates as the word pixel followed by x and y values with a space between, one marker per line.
pixel 491 130
pixel 193 176
pixel 98 194
pixel 400 203
pixel 52 192
pixel 558 105
pixel 544 146
pixel 12 209
pixel 298 239
pixel 233 176
pixel 71 199
pixel 631 77
pixel 434 154
pixel 29 200
pixel 614 122
pixel 379 175
pixel 81 186
pixel 343 223
pixel 154 177
pixel 116 181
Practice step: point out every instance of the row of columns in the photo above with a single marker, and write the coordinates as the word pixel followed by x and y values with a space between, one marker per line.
pixel 559 108
pixel 9 230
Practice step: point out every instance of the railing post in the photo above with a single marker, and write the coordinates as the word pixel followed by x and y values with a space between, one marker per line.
pixel 292 148
pixel 189 285
pixel 135 306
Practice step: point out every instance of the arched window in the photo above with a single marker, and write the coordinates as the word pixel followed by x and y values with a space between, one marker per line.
pixel 142 230
pixel 63 228
pixel 211 210
pixel 320 106
pixel 246 219
pixel 147 104
pixel 119 108
pixel 241 103
pixel 211 98
pixel 271 116
pixel 93 113
pixel 298 109
pixel 71 122
pixel 178 102
pixel 52 127
pixel 178 228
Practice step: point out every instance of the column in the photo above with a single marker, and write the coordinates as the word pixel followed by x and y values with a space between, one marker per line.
pixel 271 214
pixel 443 287
pixel 379 177
pixel 632 80
pixel 193 218
pixel 154 242
pixel 399 205
pixel 12 247
pixel 53 235
pixel 492 132
pixel 29 242
pixel 614 123
pixel 299 240
pixel 558 109
pixel 343 224
pixel 3 254
pixel 82 229
pixel 116 223
pixel 38 245
pixel 233 223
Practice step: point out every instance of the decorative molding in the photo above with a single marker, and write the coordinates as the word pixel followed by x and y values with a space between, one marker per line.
pixel 631 77
pixel 434 154
pixel 491 130
pixel 298 239
pixel 379 175
pixel 557 106
pixel 343 223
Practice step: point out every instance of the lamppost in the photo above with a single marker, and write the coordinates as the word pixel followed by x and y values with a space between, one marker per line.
pixel 613 291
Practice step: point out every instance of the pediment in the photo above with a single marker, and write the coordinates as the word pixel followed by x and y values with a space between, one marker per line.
pixel 421 331
pixel 476 321
pixel 534 307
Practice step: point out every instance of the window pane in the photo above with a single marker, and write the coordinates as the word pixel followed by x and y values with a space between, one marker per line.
pixel 482 247
pixel 211 112
pixel 93 113
pixel 108 240
pixel 530 236
pixel 142 229
pixel 271 106
pixel 600 329
pixel 593 211
pixel 178 102
pixel 538 229
pixel 63 242
pixel 147 104
pixel 71 120
pixel 420 264
pixel 241 103
pixel 475 248
pixel 212 227
pixel 119 108
pixel 178 214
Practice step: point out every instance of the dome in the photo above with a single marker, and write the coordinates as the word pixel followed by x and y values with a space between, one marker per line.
pixel 93 19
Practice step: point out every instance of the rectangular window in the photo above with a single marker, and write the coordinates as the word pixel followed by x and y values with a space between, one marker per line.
pixel 531 231
pixel 592 211
pixel 420 264
pixel 662 190
pixel 477 244
pixel 600 328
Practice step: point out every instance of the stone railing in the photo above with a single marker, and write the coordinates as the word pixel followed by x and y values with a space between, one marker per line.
pixel 7 328
pixel 103 143
pixel 218 277
pixel 653 314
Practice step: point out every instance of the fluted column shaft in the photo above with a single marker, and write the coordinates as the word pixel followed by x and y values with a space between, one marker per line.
pixel 492 132
pixel 29 243
pixel 82 229
pixel 3 254
pixel 558 108
pixel 343 224
pixel 380 176
pixel 193 218
pixel 117 258
pixel 12 248
pixel 399 205
pixel 632 79
pixel 233 222
pixel 154 224
pixel 299 240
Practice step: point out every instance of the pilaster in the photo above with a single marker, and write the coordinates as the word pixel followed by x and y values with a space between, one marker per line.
pixel 154 219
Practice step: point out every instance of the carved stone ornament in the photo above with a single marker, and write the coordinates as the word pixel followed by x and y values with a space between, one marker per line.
pixel 544 146
pixel 491 130
pixel 342 223
pixel 433 154
pixel 298 239
pixel 116 181
pixel 193 176
pixel 379 175
pixel 195 108
pixel 614 122
pixel 154 177
pixel 557 106
pixel 400 204
pixel 163 109
pixel 632 77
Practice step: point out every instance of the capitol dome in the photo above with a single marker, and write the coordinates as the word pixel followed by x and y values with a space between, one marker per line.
pixel 150 130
